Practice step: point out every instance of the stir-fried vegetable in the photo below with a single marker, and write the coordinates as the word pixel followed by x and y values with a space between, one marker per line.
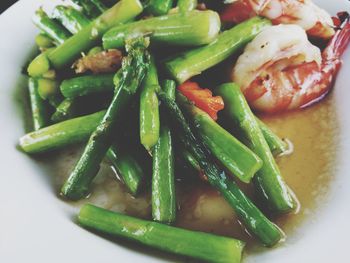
pixel 234 155
pixel 199 245
pixel 149 110
pixel 194 28
pixel 51 28
pixel 134 68
pixel 70 18
pixel 89 36
pixel 81 86
pixel 253 219
pixel 163 179
pixel 194 62
pixel 127 167
pixel 38 105
pixel 61 134
pixel 159 7
pixel 268 180
pixel 186 5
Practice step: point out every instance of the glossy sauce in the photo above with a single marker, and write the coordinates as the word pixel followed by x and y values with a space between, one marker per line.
pixel 308 171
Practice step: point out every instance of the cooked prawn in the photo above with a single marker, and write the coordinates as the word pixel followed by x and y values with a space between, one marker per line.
pixel 316 21
pixel 281 70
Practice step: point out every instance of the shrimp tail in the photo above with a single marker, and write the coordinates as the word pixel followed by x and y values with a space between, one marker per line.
pixel 339 42
pixel 331 62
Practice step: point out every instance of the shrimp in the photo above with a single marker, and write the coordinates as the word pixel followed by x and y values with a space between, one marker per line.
pixel 281 70
pixel 316 21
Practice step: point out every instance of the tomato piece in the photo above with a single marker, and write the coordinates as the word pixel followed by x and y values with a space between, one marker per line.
pixel 237 12
pixel 202 98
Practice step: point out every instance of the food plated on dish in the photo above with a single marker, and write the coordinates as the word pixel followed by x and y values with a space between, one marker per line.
pixel 126 79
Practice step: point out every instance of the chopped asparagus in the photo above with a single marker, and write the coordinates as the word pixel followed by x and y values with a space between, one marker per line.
pixel 207 247
pixel 135 66
pixel 268 180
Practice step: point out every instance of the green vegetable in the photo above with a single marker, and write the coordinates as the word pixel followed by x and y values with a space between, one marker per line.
pixel 149 109
pixel 100 5
pixel 38 106
pixel 61 134
pixel 194 28
pixel 90 35
pixel 50 27
pixel 47 88
pixel 195 61
pixel 276 144
pixel 95 50
pixel 40 65
pixel 187 5
pixel 51 74
pixel 190 160
pixel 89 8
pixel 169 88
pixel 65 110
pixel 134 69
pixel 203 246
pixel 159 7
pixel 163 181
pixel 81 86
pixel 268 180
pixel 127 168
pixel 70 18
pixel 234 155
pixel 43 41
pixel 250 216
pixel 79 130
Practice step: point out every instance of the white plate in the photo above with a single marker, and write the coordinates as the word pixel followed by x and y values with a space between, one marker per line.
pixel 35 226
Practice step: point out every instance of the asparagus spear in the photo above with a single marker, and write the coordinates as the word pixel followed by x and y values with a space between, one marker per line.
pixel 70 18
pixel 133 71
pixel 80 86
pixel 64 111
pixel 149 109
pixel 89 8
pixel 253 219
pixel 43 41
pixel 163 181
pixel 234 155
pixel 195 61
pixel 169 88
pixel 39 111
pixel 47 88
pixel 61 134
pixel 159 7
pixel 191 161
pixel 194 28
pixel 187 5
pixel 276 144
pixel 268 180
pixel 40 65
pixel 207 247
pixel 89 36
pixel 127 168
pixel 51 28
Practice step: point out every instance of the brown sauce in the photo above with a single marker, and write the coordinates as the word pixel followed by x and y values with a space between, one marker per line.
pixel 308 171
